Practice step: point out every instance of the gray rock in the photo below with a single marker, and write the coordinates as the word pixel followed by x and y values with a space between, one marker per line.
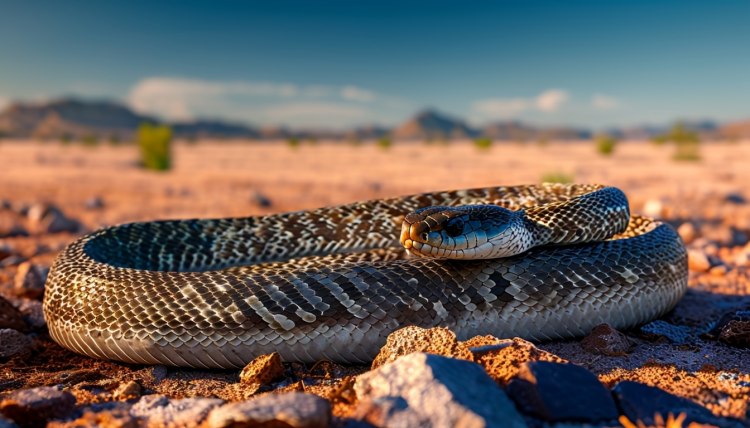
pixel 10 317
pixel 437 391
pixel 14 343
pixel 33 314
pixel 158 410
pixel 262 200
pixel 292 409
pixel 94 203
pixel 562 392
pixel 36 406
pixel 640 402
pixel 733 329
pixel 30 279
pixel 47 218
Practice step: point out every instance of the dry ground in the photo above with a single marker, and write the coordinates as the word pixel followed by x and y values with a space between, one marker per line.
pixel 212 179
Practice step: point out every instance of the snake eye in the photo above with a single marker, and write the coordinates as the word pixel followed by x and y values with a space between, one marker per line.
pixel 454 227
pixel 424 236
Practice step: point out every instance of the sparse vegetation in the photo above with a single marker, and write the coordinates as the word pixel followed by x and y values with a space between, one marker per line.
pixel 90 140
pixel 542 142
pixel 66 139
pixel 356 142
pixel 557 177
pixel 155 144
pixel 483 143
pixel 293 142
pixel 687 142
pixel 114 139
pixel 605 144
pixel 384 143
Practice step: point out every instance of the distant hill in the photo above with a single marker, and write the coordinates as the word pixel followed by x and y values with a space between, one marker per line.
pixel 78 119
pixel 430 124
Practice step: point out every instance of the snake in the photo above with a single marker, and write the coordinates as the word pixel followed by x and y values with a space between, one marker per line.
pixel 542 262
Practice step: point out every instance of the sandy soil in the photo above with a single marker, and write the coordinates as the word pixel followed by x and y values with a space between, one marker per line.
pixel 218 179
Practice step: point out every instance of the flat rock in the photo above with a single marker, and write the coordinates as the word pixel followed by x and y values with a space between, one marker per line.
pixel 407 340
pixel 36 406
pixel 605 340
pixel 292 410
pixel 502 361
pixel 437 391
pixel 698 261
pixel 10 317
pixel 13 343
pixel 262 370
pixel 47 218
pixel 29 280
pixel 640 402
pixel 561 392
pixel 160 411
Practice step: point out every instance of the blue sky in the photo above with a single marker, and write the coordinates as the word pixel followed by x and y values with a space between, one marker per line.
pixel 338 63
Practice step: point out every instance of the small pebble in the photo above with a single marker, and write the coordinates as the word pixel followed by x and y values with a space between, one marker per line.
pixel 262 370
pixel 687 232
pixel 13 343
pixel 94 203
pixel 262 200
pixel 36 406
pixel 160 411
pixel 605 340
pixel 733 329
pixel 289 410
pixel 10 316
pixel 127 391
pixel 698 261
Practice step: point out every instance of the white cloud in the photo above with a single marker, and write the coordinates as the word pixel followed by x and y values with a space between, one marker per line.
pixel 551 100
pixel 504 108
pixel 604 102
pixel 250 101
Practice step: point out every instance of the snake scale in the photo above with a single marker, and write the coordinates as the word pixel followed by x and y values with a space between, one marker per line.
pixel 332 283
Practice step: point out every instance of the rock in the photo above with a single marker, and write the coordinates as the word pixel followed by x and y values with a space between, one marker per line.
pixel 47 218
pixel 262 200
pixel 605 340
pixel 94 203
pixel 292 410
pixel 12 260
pixel 653 208
pixel 742 258
pixel 160 411
pixel 35 407
pixel 736 198
pixel 262 370
pixel 10 228
pixel 678 334
pixel 10 317
pixel 502 361
pixel 687 232
pixel 698 261
pixel 33 313
pixel 5 252
pixel 14 343
pixel 436 340
pixel 115 418
pixel 29 280
pixel 127 391
pixel 733 329
pixel 558 392
pixel 640 402
pixel 437 391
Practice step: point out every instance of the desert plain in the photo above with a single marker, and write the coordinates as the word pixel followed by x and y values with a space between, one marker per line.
pixel 707 200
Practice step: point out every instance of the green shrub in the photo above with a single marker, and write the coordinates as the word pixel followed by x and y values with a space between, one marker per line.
pixel 90 140
pixel 687 151
pixel 154 142
pixel 384 143
pixel 114 140
pixel 605 144
pixel 557 177
pixel 66 139
pixel 483 143
pixel 687 143
pixel 292 142
pixel 542 142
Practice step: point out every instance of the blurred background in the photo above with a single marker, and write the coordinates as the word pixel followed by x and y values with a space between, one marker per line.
pixel 186 108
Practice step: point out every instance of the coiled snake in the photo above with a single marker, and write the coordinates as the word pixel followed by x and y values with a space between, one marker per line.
pixel 332 283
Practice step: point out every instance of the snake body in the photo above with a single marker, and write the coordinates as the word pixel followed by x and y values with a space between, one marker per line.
pixel 332 283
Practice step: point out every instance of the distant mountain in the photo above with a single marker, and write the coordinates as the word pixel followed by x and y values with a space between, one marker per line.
pixel 71 118
pixel 735 130
pixel 214 129
pixel 430 124
pixel 369 132
pixel 517 131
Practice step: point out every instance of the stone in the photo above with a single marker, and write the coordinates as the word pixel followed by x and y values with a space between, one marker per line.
pixel 502 361
pixel 10 317
pixel 640 402
pixel 159 411
pixel 262 200
pixel 436 340
pixel 36 406
pixel 94 203
pixel 736 198
pixel 437 391
pixel 733 329
pixel 47 218
pixel 653 208
pixel 687 232
pixel 698 261
pixel 605 340
pixel 33 313
pixel 262 370
pixel 127 391
pixel 113 415
pixel 560 392
pixel 13 343
pixel 292 410
pixel 29 280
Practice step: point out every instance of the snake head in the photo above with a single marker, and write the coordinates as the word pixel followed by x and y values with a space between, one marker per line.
pixel 465 232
